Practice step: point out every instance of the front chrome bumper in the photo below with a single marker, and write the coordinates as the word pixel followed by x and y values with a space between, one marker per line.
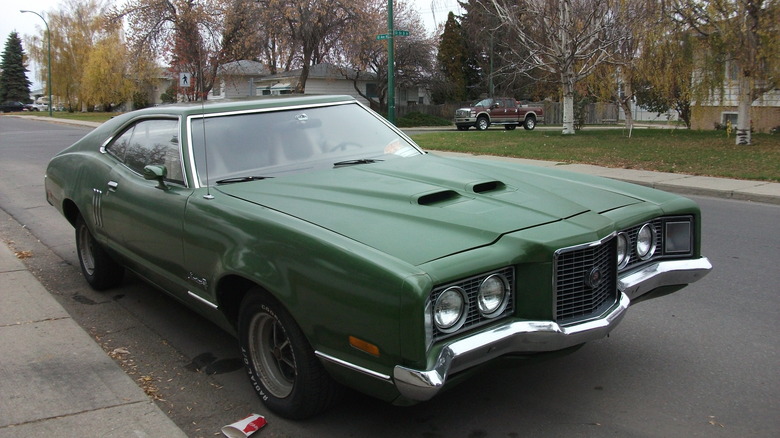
pixel 518 337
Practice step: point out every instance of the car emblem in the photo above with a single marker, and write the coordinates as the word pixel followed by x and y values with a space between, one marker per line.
pixel 302 117
pixel 595 278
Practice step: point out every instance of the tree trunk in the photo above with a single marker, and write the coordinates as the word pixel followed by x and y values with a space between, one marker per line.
pixel 568 109
pixel 743 110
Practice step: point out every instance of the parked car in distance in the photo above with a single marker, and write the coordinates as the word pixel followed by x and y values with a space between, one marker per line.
pixel 11 107
pixel 498 111
pixel 37 107
pixel 340 253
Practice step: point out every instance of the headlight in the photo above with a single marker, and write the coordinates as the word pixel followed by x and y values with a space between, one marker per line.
pixel 623 250
pixel 645 242
pixel 449 311
pixel 491 299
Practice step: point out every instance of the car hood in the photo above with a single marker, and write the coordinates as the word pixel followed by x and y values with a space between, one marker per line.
pixel 424 208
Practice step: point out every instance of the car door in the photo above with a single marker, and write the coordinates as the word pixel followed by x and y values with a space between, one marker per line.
pixel 144 217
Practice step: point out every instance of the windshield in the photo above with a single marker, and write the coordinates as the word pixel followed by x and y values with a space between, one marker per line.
pixel 269 144
pixel 483 103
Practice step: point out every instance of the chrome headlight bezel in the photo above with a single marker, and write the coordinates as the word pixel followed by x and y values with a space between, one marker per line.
pixel 489 304
pixel 646 241
pixel 623 250
pixel 454 297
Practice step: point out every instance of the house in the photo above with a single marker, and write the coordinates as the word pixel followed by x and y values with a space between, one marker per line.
pixel 238 79
pixel 323 79
pixel 721 107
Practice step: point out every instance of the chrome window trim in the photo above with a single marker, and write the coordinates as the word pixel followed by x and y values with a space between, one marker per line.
pixel 134 122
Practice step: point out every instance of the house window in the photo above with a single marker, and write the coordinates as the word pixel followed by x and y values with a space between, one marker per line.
pixel 732 70
pixel 371 90
pixel 725 118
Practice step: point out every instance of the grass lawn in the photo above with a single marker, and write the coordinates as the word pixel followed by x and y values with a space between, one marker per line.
pixel 708 153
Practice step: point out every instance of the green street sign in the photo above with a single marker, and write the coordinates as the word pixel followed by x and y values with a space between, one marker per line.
pixel 385 36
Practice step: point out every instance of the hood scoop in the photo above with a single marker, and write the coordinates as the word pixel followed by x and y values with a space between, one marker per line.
pixel 446 197
pixel 440 197
pixel 487 187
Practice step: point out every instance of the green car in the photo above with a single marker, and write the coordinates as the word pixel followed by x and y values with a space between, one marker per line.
pixel 341 254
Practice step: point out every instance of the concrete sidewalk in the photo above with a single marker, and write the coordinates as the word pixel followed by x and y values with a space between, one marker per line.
pixel 54 379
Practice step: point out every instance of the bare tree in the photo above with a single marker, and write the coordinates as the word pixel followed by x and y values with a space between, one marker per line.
pixel 568 38
pixel 367 57
pixel 743 33
pixel 189 33
pixel 640 25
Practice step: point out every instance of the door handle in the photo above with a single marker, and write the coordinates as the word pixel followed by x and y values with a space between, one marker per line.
pixel 112 186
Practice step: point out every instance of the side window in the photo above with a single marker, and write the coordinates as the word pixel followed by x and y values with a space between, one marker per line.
pixel 148 142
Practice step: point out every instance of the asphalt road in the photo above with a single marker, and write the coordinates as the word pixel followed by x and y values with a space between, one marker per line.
pixel 701 362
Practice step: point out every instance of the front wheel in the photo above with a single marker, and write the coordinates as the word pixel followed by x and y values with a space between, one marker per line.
pixel 483 123
pixel 530 123
pixel 99 269
pixel 281 364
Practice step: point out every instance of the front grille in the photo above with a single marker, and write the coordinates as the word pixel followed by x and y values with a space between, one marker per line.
pixel 585 281
pixel 471 286
pixel 462 113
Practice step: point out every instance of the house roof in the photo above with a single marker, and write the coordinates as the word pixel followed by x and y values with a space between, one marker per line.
pixel 244 67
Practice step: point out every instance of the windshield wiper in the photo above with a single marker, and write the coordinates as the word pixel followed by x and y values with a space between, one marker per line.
pixel 240 179
pixel 353 162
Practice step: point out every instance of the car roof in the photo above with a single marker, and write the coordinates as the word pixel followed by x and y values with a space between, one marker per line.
pixel 230 105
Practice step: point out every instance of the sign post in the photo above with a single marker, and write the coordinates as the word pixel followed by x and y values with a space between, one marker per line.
pixel 389 36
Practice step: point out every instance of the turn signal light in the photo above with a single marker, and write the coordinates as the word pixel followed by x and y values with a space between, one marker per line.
pixel 364 346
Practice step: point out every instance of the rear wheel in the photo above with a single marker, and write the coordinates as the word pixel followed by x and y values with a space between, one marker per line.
pixel 99 269
pixel 530 123
pixel 282 367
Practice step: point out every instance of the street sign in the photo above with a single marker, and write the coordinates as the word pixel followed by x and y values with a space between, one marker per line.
pixel 385 36
pixel 185 79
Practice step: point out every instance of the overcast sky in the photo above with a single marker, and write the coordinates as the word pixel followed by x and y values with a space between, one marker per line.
pixel 431 12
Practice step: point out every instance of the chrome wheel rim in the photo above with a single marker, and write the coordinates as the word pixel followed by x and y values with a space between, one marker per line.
pixel 86 251
pixel 272 355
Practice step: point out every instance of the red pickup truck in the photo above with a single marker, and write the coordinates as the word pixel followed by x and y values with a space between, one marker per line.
pixel 498 111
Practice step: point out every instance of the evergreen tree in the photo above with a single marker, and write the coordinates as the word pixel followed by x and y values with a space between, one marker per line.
pixel 14 84
pixel 452 62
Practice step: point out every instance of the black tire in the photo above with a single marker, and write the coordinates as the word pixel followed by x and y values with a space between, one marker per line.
pixel 510 127
pixel 530 123
pixel 281 364
pixel 482 123
pixel 98 268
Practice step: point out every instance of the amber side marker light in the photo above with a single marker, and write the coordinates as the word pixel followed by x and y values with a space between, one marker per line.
pixel 364 346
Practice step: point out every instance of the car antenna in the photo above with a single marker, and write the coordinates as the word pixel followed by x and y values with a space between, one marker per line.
pixel 202 97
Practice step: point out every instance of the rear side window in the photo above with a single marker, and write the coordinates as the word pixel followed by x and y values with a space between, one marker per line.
pixel 150 142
